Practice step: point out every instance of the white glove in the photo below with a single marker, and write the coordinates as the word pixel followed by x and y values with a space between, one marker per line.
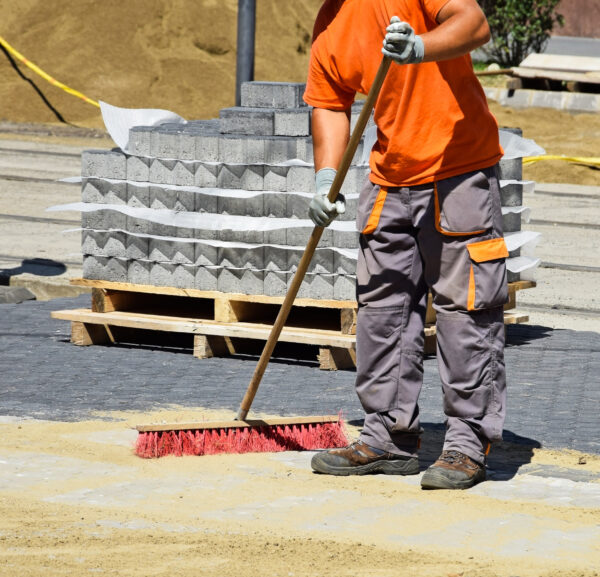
pixel 320 210
pixel 401 44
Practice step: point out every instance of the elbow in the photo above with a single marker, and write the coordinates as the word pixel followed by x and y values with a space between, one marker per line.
pixel 483 34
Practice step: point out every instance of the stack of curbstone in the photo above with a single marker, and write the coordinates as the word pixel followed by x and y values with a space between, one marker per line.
pixel 215 170
pixel 217 205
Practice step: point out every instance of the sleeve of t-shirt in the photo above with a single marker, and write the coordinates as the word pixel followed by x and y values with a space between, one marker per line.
pixel 324 85
pixel 433 7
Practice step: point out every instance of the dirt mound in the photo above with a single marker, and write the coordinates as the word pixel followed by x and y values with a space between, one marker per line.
pixel 173 54
pixel 180 55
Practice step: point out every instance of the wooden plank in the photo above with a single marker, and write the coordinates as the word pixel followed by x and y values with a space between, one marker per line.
pixel 206 327
pixel 348 321
pixel 563 62
pixel 334 359
pixel 206 347
pixel 174 291
pixel 233 424
pixel 84 335
pixel 561 75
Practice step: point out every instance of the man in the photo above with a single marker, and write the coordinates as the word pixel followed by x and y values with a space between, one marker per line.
pixel 429 218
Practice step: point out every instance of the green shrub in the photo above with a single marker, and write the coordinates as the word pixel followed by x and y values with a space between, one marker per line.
pixel 518 27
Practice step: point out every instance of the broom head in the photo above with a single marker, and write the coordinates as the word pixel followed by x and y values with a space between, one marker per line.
pixel 251 436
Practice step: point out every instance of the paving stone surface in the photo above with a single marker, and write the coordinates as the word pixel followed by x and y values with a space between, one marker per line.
pixel 554 382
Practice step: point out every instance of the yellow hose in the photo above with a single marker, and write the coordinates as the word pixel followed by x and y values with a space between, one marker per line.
pixel 589 160
pixel 44 75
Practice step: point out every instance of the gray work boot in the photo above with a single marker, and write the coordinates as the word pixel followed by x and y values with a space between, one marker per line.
pixel 453 470
pixel 360 459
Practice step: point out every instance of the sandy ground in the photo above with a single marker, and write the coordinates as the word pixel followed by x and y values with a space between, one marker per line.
pixel 85 504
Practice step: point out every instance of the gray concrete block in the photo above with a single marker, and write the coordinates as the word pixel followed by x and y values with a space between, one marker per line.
pixel 276 236
pixel 516 98
pixel 206 174
pixel 511 169
pixel 355 113
pixel 230 175
pixel 315 286
pixel 351 208
pixel 138 272
pixel 162 250
pixel 547 99
pixel 355 179
pixel 240 281
pixel 298 236
pixel 511 195
pixel 241 149
pixel 304 150
pixel 99 243
pixel 162 171
pixel 250 258
pixel 292 122
pixel 344 287
pixel 174 275
pixel 511 222
pixel 137 225
pixel 205 254
pixel 184 173
pixel 187 145
pixel 345 239
pixel 275 178
pixel 343 265
pixel 139 140
pixel 137 247
pixel 582 102
pixel 297 204
pixel 138 195
pixel 138 168
pixel 164 142
pixel 252 206
pixel 301 179
pixel 105 268
pixel 162 197
pixel 158 229
pixel 103 220
pixel 280 148
pixel 321 262
pixel 275 204
pixel 276 258
pixel 104 164
pixel 244 120
pixel 272 94
pixel 207 147
pixel 206 278
pixel 513 276
pixel 97 190
pixel 275 283
pixel 253 177
pixel 206 201
pixel 185 201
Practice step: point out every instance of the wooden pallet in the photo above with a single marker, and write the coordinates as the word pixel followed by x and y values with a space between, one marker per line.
pixel 223 323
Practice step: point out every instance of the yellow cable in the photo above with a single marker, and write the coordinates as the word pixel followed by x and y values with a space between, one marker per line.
pixel 44 75
pixel 589 160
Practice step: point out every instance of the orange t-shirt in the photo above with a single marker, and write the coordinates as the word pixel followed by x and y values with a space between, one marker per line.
pixel 432 118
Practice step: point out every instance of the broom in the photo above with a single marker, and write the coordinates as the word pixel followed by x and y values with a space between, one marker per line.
pixel 279 434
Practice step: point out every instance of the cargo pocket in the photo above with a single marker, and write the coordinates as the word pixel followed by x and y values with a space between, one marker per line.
pixel 488 285
pixel 370 205
pixel 463 205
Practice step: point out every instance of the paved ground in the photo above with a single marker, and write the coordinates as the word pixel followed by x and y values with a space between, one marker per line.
pixel 553 375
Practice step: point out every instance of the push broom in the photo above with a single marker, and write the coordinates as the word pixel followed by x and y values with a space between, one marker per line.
pixel 279 434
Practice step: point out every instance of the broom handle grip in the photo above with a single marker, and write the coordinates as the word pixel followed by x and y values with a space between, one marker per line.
pixel 313 241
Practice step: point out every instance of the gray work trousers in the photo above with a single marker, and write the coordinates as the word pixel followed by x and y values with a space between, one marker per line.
pixel 445 237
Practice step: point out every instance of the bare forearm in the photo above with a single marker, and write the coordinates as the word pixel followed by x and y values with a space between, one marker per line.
pixel 462 28
pixel 330 132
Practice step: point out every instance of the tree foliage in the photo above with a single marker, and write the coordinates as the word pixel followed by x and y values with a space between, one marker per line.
pixel 518 27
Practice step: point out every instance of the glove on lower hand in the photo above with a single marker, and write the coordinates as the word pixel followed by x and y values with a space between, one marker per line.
pixel 321 211
pixel 401 44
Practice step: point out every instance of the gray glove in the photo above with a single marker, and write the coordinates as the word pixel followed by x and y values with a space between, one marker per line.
pixel 320 210
pixel 401 44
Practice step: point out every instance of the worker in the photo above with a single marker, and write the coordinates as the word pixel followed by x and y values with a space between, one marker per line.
pixel 430 219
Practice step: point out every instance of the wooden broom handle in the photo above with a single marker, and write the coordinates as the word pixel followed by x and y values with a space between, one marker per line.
pixel 313 241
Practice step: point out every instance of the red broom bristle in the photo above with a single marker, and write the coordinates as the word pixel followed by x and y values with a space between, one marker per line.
pixel 300 437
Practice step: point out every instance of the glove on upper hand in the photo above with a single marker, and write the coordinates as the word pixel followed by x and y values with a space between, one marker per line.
pixel 401 44
pixel 321 211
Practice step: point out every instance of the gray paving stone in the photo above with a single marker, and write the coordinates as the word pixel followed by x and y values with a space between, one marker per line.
pixel 105 268
pixel 184 173
pixel 138 168
pixel 205 255
pixel 344 287
pixel 243 206
pixel 15 295
pixel 138 195
pixel 138 271
pixel 281 148
pixel 100 191
pixel 104 164
pixel 240 281
pixel 511 195
pixel 162 171
pixel 172 275
pixel 99 243
pixel 171 251
pixel 275 283
pixel 206 278
pixel 292 122
pixel 272 94
pixel 137 247
pixel 207 147
pixel 139 140
pixel 275 178
pixel 511 169
pixel 301 179
pixel 245 120
pixel 206 174
pixel 103 220
pixel 511 222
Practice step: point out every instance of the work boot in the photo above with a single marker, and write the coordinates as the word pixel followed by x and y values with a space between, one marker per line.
pixel 453 470
pixel 360 459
